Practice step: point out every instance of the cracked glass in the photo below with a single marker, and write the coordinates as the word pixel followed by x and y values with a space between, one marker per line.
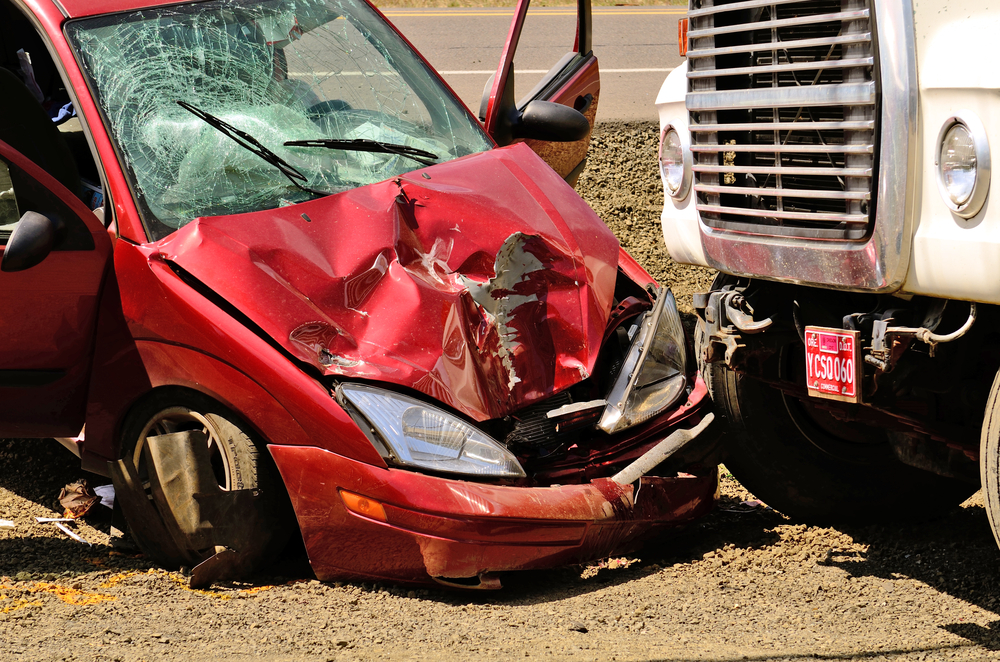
pixel 201 100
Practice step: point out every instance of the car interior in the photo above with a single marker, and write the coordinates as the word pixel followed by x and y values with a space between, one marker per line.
pixel 34 96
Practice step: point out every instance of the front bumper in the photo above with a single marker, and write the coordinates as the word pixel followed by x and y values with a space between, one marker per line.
pixel 451 531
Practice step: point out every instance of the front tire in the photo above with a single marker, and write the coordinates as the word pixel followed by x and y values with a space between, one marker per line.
pixel 205 480
pixel 989 458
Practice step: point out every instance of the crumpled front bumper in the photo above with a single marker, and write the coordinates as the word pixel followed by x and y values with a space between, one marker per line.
pixel 453 531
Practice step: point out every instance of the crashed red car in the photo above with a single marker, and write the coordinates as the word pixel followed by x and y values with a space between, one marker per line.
pixel 276 278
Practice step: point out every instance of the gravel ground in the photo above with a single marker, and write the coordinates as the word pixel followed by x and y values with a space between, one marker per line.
pixel 743 584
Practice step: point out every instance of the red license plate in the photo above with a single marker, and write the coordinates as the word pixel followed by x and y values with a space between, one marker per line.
pixel 833 368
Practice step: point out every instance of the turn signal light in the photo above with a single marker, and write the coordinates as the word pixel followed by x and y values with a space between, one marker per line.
pixel 363 506
pixel 682 37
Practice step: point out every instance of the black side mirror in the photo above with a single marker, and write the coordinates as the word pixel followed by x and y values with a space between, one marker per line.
pixel 546 120
pixel 32 240
pixel 540 120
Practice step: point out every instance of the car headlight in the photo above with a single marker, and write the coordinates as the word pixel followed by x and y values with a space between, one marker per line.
pixel 654 373
pixel 674 170
pixel 420 435
pixel 963 164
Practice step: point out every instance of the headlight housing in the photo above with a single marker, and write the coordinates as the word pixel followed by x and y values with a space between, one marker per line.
pixel 675 168
pixel 963 164
pixel 422 436
pixel 654 373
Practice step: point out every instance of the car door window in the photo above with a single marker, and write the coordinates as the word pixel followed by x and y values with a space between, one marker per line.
pixel 22 192
pixel 573 81
pixel 9 214
pixel 544 50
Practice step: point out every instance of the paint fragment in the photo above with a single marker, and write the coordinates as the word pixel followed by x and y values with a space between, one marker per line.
pixel 497 301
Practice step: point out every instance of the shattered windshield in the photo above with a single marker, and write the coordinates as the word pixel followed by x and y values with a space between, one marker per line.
pixel 233 106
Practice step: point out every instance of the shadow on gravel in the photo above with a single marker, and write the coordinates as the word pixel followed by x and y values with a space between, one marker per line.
pixel 50 558
pixel 36 469
pixel 926 652
pixel 748 530
pixel 956 555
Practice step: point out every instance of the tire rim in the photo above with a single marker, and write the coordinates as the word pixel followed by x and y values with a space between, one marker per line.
pixel 182 419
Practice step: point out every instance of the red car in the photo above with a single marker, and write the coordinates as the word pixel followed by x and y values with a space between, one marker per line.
pixel 275 278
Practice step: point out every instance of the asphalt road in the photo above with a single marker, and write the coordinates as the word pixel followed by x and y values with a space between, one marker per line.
pixel 636 48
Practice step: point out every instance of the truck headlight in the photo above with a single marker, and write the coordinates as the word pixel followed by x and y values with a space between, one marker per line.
pixel 653 375
pixel 674 171
pixel 422 436
pixel 963 164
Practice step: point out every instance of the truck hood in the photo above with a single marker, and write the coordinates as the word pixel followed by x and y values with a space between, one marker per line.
pixel 483 282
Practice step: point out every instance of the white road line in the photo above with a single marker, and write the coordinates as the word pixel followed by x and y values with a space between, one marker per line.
pixel 405 14
pixel 480 72
pixel 471 72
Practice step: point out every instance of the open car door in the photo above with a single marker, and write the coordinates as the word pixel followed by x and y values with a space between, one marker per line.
pixel 54 253
pixel 574 81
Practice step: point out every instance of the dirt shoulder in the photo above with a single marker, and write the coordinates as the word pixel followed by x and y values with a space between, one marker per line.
pixel 745 583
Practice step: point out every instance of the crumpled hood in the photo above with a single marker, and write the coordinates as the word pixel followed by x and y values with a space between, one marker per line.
pixel 484 282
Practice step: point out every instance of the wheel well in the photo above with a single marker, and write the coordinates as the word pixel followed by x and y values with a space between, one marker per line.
pixel 160 395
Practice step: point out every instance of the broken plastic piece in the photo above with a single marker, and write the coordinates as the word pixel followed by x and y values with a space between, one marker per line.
pixel 748 506
pixel 6 523
pixel 486 581
pixel 65 529
pixel 225 564
pixel 660 452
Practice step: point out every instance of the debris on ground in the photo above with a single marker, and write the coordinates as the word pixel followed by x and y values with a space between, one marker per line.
pixel 78 498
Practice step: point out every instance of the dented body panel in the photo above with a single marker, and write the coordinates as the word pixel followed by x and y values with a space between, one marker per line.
pixel 447 529
pixel 483 316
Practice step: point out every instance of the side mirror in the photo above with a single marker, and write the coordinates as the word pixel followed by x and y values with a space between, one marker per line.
pixel 31 242
pixel 545 120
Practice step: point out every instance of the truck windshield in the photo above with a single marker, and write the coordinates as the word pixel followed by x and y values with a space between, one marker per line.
pixel 304 72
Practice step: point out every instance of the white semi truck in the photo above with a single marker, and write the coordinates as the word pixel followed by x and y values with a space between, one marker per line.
pixel 832 160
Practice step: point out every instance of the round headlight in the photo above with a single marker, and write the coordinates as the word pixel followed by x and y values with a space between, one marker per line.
pixel 672 160
pixel 963 164
pixel 958 164
pixel 673 169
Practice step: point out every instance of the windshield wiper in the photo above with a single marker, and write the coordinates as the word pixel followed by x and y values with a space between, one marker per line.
pixel 367 145
pixel 251 144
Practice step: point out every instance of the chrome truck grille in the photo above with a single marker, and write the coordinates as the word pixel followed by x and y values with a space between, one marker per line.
pixel 783 97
